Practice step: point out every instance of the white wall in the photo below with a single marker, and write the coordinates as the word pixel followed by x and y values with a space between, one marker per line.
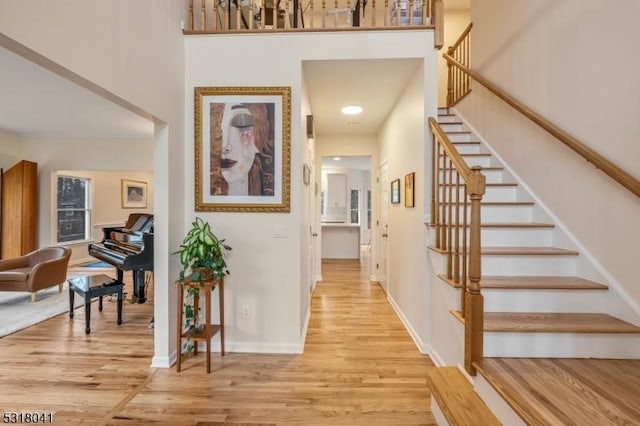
pixel 9 149
pixel 131 53
pixel 259 276
pixel 455 22
pixel 403 145
pixel 570 61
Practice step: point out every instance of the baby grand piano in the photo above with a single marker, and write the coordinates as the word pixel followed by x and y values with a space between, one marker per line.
pixel 129 248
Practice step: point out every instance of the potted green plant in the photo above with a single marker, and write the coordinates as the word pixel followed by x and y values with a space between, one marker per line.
pixel 202 254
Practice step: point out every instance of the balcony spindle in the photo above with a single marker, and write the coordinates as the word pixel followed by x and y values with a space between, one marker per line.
pixel 373 13
pixel 203 14
pixel 191 23
pixel 324 13
pixel 386 13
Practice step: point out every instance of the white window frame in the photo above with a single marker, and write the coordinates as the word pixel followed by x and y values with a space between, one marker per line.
pixel 86 209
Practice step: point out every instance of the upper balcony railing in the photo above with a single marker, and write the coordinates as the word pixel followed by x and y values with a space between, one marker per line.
pixel 232 16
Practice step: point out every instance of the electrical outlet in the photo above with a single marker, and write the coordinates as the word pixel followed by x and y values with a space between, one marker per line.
pixel 245 311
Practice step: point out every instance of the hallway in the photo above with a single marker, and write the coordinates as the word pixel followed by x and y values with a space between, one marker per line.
pixel 359 367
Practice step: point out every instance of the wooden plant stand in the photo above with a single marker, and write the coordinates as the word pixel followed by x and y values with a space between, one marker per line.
pixel 209 330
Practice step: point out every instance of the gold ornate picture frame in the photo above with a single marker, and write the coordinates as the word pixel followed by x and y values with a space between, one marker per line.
pixel 242 149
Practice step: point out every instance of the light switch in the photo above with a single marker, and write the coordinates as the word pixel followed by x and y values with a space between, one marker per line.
pixel 279 231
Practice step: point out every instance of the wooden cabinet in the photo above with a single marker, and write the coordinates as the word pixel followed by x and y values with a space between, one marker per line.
pixel 19 209
pixel 209 330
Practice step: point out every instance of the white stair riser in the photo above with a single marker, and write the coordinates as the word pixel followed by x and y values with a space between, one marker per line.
pixel 562 345
pixel 509 300
pixel 516 237
pixel 495 214
pixel 492 193
pixel 500 193
pixel 447 118
pixel 460 137
pixel 467 148
pixel 506 213
pixel 529 265
pixel 452 127
pixel 484 161
pixel 492 176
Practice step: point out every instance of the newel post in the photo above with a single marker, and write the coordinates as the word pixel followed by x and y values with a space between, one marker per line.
pixel 474 302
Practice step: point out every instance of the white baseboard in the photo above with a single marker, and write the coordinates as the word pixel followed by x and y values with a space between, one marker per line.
pixel 435 357
pixel 423 348
pixel 164 361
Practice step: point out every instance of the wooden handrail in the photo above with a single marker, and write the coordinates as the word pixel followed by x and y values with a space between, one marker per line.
pixel 452 153
pixel 613 171
pixel 460 39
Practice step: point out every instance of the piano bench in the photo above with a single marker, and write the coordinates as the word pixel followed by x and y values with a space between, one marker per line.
pixel 94 286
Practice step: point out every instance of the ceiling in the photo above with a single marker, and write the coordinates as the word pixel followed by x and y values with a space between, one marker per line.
pixel 374 84
pixel 38 102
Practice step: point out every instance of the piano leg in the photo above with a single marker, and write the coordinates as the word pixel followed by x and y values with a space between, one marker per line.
pixel 138 286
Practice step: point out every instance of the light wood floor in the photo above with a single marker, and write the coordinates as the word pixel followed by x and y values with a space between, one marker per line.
pixel 359 367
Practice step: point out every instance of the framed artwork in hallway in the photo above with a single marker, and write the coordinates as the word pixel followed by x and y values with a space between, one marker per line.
pixel 395 191
pixel 409 191
pixel 242 149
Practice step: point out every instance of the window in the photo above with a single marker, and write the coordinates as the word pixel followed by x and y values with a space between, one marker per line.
pixel 74 215
pixel 354 206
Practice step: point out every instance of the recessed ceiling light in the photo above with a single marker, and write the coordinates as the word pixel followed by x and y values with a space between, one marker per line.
pixel 337 158
pixel 351 109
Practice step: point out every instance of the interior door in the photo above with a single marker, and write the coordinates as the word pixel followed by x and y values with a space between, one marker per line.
pixel 382 227
pixel 313 221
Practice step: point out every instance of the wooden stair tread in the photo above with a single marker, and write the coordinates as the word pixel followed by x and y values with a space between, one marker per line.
pixel 567 391
pixel 528 251
pixel 532 283
pixel 516 225
pixel 555 322
pixel 518 251
pixel 474 154
pixel 542 282
pixel 455 396
pixel 466 142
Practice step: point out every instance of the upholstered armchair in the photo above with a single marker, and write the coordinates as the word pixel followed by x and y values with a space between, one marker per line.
pixel 35 271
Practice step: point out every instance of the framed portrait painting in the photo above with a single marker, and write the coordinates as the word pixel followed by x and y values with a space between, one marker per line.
pixel 242 149
pixel 133 194
pixel 409 190
pixel 395 191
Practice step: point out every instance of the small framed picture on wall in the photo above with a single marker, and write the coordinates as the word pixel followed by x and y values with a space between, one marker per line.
pixel 395 191
pixel 409 190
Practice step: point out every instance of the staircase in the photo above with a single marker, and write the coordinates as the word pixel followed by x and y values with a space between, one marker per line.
pixel 542 297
